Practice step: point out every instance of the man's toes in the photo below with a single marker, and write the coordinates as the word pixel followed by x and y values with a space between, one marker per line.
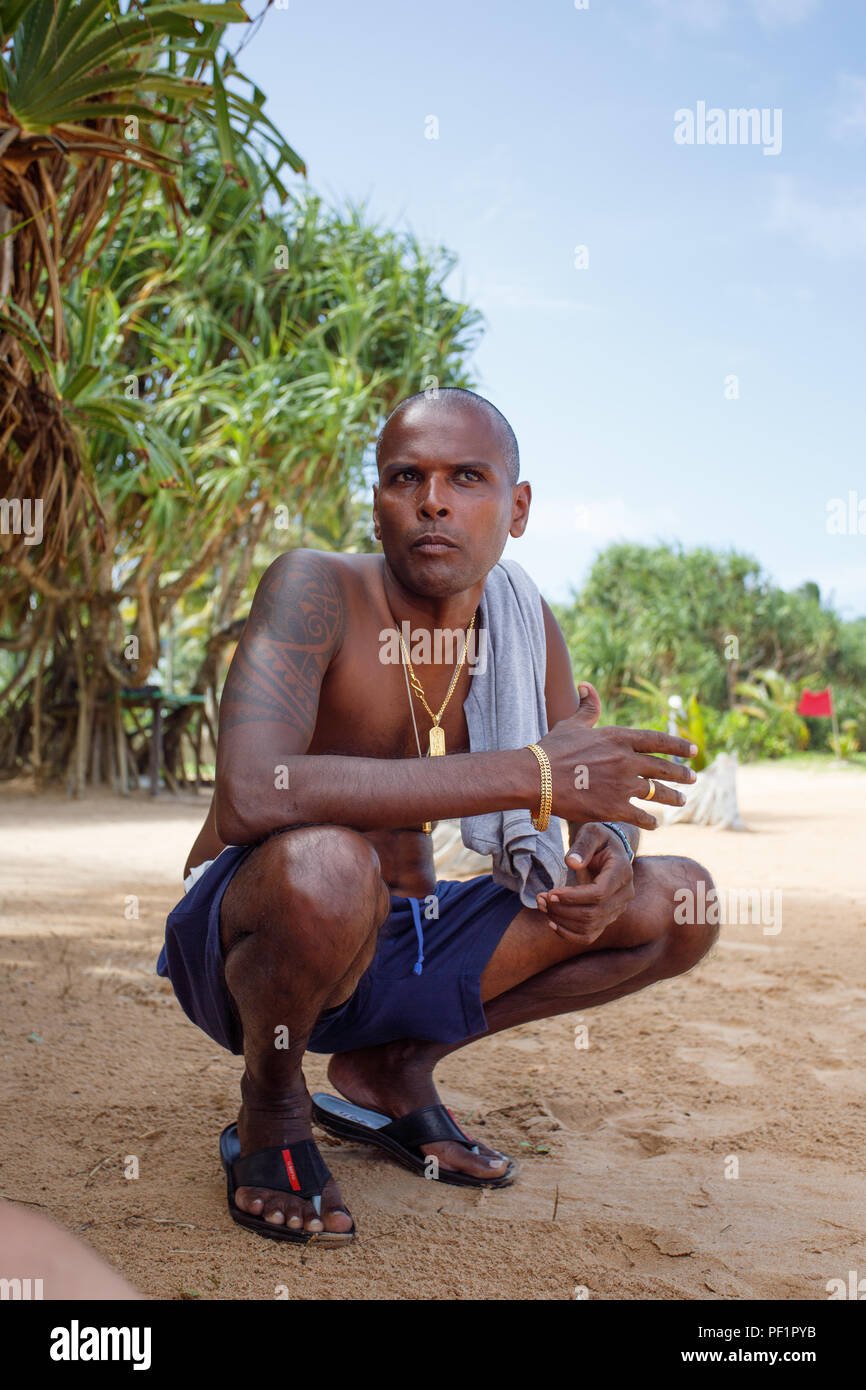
pixel 312 1222
pixel 338 1222
pixel 277 1208
pixel 283 1209
pixel 334 1215
pixel 251 1200
pixel 295 1212
pixel 486 1152
pixel 480 1165
pixel 274 1209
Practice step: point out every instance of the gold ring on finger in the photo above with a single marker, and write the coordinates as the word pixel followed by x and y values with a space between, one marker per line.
pixel 652 790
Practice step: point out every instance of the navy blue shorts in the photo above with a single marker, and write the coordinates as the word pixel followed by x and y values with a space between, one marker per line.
pixel 423 982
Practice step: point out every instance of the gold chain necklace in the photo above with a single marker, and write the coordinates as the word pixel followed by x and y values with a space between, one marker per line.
pixel 428 825
pixel 437 734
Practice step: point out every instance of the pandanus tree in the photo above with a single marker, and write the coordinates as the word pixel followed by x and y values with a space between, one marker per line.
pixel 90 90
pixel 225 354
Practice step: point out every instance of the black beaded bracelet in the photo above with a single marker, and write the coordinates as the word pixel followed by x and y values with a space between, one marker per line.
pixel 616 830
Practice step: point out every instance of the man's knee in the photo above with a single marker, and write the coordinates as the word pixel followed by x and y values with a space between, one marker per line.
pixel 329 865
pixel 305 879
pixel 690 934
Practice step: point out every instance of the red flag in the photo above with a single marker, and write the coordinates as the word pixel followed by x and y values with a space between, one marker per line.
pixel 817 704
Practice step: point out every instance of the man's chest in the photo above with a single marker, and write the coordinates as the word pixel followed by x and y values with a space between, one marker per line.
pixel 367 702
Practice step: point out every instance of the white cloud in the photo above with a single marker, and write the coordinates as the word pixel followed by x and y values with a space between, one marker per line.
pixel 837 229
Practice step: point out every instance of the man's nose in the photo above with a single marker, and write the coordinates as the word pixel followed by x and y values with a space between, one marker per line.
pixel 431 503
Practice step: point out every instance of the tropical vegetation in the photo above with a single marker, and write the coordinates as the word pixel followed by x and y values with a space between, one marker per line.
pixel 196 352
pixel 710 627
pixel 194 359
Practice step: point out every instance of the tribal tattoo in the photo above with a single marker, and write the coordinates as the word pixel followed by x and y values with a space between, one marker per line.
pixel 295 626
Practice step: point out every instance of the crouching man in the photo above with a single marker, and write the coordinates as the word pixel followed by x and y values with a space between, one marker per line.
pixel 313 920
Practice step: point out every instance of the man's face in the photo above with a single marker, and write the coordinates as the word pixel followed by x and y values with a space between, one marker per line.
pixel 443 471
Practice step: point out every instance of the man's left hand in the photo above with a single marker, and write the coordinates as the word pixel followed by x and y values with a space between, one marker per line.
pixel 598 888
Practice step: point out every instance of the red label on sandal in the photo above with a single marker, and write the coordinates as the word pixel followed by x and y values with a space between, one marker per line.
pixel 290 1169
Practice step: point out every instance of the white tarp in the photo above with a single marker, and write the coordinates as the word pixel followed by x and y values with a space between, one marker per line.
pixel 712 799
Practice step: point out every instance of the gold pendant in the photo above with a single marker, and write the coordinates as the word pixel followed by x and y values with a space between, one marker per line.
pixel 428 827
pixel 437 741
pixel 437 749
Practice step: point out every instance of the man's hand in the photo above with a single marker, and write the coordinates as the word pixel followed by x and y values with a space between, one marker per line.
pixel 595 772
pixel 598 889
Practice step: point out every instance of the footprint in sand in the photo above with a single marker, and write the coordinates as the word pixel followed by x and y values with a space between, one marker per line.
pixel 656 1133
pixel 841 1077
pixel 730 1070
pixel 731 1036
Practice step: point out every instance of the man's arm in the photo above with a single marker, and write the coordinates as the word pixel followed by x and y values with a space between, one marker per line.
pixel 265 780
pixel 268 716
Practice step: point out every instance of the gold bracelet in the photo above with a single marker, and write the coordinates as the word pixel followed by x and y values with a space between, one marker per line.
pixel 542 820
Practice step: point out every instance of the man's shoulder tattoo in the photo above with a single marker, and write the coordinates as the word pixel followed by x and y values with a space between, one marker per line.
pixel 295 625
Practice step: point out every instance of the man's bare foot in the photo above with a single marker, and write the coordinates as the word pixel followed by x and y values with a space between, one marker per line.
pixel 397 1078
pixel 263 1127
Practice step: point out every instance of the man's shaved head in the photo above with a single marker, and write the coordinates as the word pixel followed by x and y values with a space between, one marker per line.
pixel 448 495
pixel 451 398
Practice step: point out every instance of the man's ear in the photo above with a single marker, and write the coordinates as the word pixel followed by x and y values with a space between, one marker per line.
pixel 520 508
pixel 375 513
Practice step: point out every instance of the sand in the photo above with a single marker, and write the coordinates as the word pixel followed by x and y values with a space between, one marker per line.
pixel 628 1147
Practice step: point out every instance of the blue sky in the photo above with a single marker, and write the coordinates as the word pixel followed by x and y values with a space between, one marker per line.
pixel 706 261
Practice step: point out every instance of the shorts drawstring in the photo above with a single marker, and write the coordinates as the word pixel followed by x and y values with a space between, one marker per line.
pixel 418 967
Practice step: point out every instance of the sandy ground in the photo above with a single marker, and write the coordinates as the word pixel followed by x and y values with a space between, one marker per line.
pixel 626 1147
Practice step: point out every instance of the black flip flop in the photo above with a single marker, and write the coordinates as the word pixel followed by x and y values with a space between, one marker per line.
pixel 402 1139
pixel 299 1169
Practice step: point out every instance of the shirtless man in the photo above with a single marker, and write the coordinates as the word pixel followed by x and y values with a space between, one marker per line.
pixel 320 787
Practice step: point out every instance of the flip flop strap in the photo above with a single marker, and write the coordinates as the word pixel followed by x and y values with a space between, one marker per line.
pixel 297 1168
pixel 425 1126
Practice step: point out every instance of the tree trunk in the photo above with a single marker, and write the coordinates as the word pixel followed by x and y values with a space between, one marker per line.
pixel 120 741
pixel 79 770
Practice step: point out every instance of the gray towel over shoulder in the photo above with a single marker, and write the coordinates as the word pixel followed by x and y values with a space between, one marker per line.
pixel 505 708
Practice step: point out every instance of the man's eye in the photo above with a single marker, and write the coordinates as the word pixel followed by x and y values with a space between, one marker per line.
pixel 473 471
